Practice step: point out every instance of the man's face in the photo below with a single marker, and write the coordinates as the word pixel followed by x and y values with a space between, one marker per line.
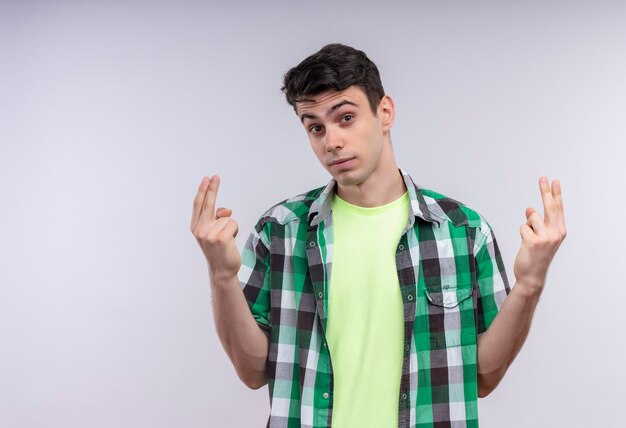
pixel 341 127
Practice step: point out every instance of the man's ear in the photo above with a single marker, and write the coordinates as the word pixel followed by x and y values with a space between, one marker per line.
pixel 387 112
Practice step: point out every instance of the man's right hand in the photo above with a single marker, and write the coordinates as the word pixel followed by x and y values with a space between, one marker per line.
pixel 244 342
pixel 215 231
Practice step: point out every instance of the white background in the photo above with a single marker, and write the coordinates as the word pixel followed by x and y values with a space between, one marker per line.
pixel 112 112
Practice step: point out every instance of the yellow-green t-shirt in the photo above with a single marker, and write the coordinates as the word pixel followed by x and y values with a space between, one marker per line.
pixel 365 313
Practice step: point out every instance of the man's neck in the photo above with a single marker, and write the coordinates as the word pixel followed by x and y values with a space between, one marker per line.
pixel 385 185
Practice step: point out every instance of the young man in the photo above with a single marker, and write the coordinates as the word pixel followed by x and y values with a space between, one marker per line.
pixel 371 301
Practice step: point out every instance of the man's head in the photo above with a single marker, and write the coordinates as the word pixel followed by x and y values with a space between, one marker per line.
pixel 339 98
pixel 335 67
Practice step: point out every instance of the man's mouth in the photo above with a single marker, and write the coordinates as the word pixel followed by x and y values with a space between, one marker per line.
pixel 340 162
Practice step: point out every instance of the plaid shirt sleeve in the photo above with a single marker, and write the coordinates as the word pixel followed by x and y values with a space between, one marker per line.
pixel 491 277
pixel 254 277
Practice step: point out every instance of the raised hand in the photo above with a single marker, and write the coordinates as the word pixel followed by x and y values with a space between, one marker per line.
pixel 215 231
pixel 541 238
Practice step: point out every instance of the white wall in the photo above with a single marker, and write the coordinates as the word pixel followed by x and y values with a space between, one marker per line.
pixel 111 113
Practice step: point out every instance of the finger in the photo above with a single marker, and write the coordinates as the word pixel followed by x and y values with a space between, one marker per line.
pixel 223 212
pixel 558 201
pixel 216 227
pixel 548 202
pixel 529 212
pixel 231 228
pixel 535 222
pixel 197 202
pixel 208 210
pixel 526 233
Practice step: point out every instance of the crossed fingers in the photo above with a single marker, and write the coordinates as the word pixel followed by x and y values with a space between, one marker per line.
pixel 204 202
pixel 553 222
pixel 205 216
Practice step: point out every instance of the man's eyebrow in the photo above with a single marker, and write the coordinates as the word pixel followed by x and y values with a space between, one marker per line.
pixel 338 105
pixel 330 110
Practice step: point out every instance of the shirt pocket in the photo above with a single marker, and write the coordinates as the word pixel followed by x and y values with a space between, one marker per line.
pixel 450 311
pixel 447 295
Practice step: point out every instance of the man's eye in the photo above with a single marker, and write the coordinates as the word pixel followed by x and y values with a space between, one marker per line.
pixel 347 117
pixel 315 129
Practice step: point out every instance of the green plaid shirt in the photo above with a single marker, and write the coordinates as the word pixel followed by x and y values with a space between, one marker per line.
pixel 452 281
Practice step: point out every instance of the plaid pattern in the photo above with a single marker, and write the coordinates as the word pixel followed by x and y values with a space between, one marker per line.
pixel 452 281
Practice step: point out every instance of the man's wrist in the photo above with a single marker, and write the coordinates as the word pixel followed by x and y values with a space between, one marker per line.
pixel 219 278
pixel 529 288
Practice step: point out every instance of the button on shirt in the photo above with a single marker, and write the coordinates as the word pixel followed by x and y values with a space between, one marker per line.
pixel 452 282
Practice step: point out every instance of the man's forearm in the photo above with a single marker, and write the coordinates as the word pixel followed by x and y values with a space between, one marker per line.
pixel 243 340
pixel 499 345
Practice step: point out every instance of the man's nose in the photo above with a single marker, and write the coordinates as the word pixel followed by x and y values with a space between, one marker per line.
pixel 332 140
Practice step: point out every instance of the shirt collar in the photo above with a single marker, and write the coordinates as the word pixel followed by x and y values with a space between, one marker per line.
pixel 320 208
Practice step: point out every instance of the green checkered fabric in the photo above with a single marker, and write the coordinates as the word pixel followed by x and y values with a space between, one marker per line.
pixel 452 280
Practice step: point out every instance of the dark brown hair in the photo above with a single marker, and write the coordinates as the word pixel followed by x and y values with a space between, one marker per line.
pixel 337 67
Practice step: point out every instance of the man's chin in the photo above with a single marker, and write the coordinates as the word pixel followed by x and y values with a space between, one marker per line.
pixel 347 179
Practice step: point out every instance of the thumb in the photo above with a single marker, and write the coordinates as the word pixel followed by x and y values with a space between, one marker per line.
pixel 223 212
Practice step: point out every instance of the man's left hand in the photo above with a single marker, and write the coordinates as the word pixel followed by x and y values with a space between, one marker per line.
pixel 541 238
